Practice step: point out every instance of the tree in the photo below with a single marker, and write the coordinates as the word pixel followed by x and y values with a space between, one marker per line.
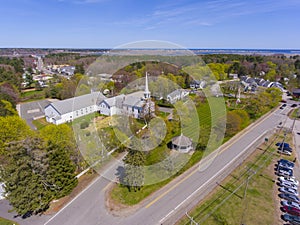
pixel 62 135
pixel 134 170
pixel 24 176
pixel 233 123
pixel 13 128
pixel 61 172
pixel 9 93
pixel 6 109
pixel 29 79
pixel 79 68
pixel 245 119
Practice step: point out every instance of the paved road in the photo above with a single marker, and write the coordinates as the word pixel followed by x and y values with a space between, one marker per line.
pixel 170 203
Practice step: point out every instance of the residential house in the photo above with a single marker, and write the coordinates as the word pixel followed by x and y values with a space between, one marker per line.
pixel 197 84
pixel 177 95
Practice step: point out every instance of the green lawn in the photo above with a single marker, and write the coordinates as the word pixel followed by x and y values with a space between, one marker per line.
pixel 121 193
pixel 7 222
pixel 32 96
pixel 40 123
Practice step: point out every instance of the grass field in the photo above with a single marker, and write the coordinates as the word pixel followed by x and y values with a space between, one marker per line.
pixel 32 95
pixel 206 112
pixel 7 222
pixel 40 123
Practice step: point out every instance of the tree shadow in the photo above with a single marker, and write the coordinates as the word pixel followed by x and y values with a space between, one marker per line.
pixel 120 174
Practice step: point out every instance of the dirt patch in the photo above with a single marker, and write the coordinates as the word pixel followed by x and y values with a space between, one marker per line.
pixel 116 208
pixel 83 182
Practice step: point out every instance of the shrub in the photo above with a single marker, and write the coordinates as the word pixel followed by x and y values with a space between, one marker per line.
pixel 84 125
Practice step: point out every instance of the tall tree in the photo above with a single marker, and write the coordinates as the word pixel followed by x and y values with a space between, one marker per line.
pixel 63 136
pixel 13 128
pixel 134 170
pixel 6 109
pixel 61 171
pixel 24 176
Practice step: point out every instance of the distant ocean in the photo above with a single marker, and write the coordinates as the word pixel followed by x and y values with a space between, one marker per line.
pixel 247 51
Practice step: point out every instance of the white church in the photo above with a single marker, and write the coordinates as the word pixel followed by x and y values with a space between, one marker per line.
pixel 138 105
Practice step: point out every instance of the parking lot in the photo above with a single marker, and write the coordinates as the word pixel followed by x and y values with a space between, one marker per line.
pixel 33 110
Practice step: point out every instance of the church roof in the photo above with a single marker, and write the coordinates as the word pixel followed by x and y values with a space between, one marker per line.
pixel 76 103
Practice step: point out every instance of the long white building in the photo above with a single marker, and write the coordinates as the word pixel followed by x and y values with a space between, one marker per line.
pixel 69 109
pixel 137 105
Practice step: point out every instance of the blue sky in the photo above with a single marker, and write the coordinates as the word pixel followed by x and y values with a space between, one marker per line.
pixel 270 24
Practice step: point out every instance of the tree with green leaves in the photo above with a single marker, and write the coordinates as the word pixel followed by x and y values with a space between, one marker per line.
pixel 6 109
pixel 233 123
pixel 61 171
pixel 24 176
pixel 13 128
pixel 134 170
pixel 62 135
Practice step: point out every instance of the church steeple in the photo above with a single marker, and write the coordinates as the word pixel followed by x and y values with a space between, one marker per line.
pixel 147 93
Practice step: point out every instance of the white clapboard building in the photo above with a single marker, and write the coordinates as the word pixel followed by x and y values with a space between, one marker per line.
pixel 69 109
pixel 137 104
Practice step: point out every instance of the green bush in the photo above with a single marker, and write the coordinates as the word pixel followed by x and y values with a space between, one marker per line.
pixel 84 125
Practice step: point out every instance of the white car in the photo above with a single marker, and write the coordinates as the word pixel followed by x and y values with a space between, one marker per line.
pixel 288 191
pixel 289 179
pixel 284 152
pixel 290 204
pixel 288 184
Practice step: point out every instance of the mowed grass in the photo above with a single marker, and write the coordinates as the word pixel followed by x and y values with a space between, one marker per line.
pixel 206 111
pixel 40 123
pixel 252 204
pixel 7 222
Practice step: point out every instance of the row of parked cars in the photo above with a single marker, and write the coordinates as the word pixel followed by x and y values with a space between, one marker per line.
pixel 288 188
pixel 284 148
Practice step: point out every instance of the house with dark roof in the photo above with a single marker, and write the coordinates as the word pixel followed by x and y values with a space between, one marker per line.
pixel 296 93
pixel 197 84
pixel 69 109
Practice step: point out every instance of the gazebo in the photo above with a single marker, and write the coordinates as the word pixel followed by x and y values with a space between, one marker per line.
pixel 182 144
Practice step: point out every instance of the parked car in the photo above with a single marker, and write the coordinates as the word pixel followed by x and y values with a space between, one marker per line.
pixel 282 143
pixel 280 169
pixel 286 162
pixel 290 218
pixel 294 105
pixel 286 165
pixel 289 197
pixel 288 184
pixel 284 173
pixel 284 152
pixel 291 210
pixel 288 191
pixel 286 148
pixel 290 179
pixel 290 203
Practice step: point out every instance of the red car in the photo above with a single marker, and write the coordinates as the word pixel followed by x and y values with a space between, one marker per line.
pixel 291 210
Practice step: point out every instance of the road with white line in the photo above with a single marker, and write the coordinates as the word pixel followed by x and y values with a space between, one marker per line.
pixel 168 204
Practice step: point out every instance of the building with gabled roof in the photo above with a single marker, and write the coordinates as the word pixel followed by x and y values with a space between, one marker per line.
pixel 137 104
pixel 69 109
pixel 178 94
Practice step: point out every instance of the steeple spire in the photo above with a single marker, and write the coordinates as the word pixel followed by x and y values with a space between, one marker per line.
pixel 147 92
